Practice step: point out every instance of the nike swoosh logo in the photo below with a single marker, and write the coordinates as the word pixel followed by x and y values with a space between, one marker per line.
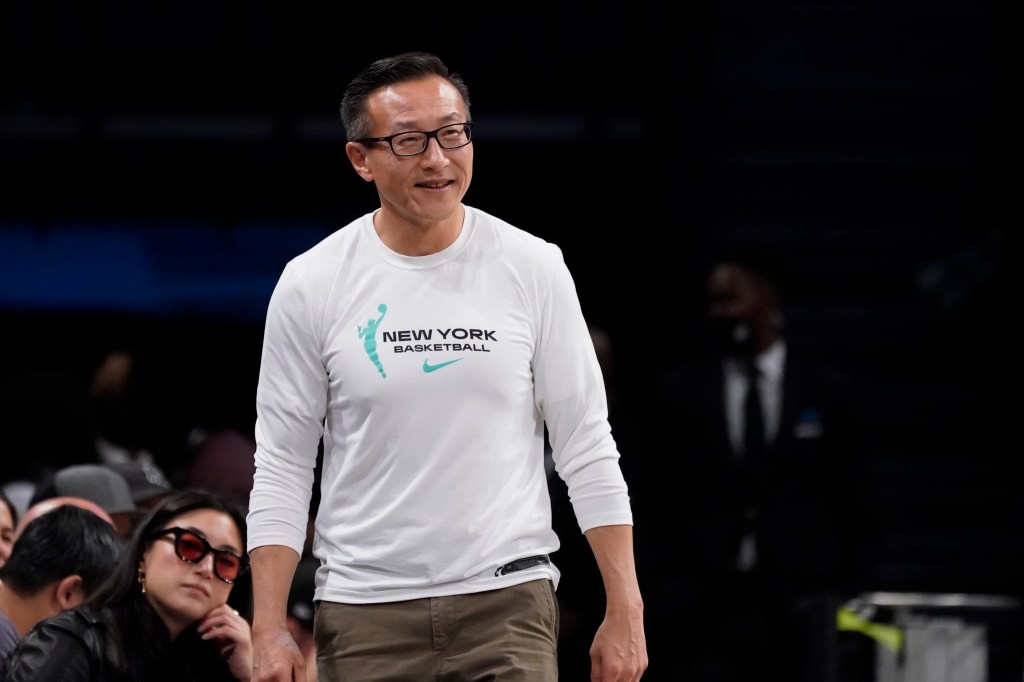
pixel 427 367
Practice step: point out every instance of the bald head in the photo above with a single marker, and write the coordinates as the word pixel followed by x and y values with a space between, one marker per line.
pixel 49 504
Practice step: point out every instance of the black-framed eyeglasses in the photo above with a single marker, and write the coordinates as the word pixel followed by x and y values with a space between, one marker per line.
pixel 413 142
pixel 191 547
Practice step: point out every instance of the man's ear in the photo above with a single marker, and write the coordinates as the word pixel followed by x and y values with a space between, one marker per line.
pixel 357 156
pixel 70 592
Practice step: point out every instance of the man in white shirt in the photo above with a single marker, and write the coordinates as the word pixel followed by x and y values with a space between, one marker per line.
pixel 429 344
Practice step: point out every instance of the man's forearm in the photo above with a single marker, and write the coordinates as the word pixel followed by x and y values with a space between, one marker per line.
pixel 613 549
pixel 273 567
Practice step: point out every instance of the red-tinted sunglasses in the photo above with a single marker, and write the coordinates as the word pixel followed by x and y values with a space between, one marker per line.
pixel 191 547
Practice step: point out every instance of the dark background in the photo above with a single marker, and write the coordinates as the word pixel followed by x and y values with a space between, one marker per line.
pixel 163 160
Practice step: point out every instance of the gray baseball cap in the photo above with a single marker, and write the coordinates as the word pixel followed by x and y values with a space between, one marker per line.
pixel 97 483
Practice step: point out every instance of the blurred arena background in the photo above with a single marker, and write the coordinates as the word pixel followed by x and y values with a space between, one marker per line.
pixel 163 161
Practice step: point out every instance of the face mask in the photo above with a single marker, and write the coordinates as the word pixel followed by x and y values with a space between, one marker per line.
pixel 731 336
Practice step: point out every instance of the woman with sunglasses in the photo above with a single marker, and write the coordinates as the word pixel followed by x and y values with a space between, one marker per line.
pixel 164 615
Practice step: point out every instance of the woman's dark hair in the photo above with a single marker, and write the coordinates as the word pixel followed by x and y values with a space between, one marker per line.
pixel 10 507
pixel 400 68
pixel 143 637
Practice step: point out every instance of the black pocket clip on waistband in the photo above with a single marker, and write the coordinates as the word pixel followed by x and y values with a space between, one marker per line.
pixel 520 564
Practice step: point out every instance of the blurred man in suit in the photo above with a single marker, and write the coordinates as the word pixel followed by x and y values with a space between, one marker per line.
pixel 754 535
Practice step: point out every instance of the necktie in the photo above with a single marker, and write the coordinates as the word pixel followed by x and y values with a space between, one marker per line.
pixel 753 448
pixel 753 417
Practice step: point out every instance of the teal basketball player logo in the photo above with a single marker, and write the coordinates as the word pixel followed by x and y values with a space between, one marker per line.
pixel 369 337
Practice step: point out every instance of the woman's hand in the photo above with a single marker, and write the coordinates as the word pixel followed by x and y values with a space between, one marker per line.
pixel 231 634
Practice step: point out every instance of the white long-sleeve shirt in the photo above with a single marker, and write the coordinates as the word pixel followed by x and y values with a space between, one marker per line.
pixel 430 379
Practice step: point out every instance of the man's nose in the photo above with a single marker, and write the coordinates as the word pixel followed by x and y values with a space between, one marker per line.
pixel 434 149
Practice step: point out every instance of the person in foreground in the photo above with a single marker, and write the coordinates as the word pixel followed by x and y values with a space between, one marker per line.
pixel 58 562
pixel 163 614
pixel 430 344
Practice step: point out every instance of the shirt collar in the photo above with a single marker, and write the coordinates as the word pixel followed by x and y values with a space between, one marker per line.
pixel 771 361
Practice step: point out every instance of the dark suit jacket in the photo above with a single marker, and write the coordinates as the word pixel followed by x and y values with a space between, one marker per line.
pixel 694 491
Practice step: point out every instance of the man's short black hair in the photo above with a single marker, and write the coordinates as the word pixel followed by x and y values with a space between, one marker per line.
pixel 400 68
pixel 65 541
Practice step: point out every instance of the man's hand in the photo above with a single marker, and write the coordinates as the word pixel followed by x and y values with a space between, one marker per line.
pixel 619 651
pixel 276 657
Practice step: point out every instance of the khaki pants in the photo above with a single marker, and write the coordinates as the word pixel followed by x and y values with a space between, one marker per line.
pixel 506 635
